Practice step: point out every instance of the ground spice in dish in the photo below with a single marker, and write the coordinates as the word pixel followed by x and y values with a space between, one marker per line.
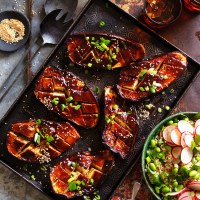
pixel 11 30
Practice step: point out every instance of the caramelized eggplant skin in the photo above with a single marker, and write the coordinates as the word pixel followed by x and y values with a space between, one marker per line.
pixel 103 50
pixel 68 96
pixel 151 76
pixel 85 169
pixel 122 125
pixel 40 142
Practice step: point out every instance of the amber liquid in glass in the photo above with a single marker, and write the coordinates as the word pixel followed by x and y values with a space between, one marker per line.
pixel 192 5
pixel 159 13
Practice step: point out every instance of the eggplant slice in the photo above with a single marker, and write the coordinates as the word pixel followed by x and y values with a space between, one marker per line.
pixel 151 76
pixel 122 124
pixel 40 141
pixel 103 50
pixel 79 174
pixel 68 96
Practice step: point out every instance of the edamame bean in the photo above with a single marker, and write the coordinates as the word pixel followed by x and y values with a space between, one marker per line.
pixel 186 119
pixel 170 122
pixel 157 189
pixel 165 189
pixel 152 166
pixel 175 170
pixel 175 184
pixel 192 173
pixel 148 159
pixel 198 158
pixel 157 149
pixel 153 143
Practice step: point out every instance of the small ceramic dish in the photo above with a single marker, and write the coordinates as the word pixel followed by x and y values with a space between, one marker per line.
pixel 163 13
pixel 156 130
pixel 9 47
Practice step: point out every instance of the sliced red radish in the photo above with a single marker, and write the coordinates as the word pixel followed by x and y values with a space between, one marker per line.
pixel 176 137
pixel 176 152
pixel 167 133
pixel 186 155
pixel 194 185
pixel 171 144
pixel 184 126
pixel 176 161
pixel 184 195
pixel 197 123
pixel 188 139
pixel 197 195
pixel 187 198
pixel 197 130
pixel 183 144
pixel 172 194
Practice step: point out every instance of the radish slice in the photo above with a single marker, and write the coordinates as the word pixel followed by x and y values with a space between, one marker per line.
pixel 183 144
pixel 197 195
pixel 197 123
pixel 184 195
pixel 176 137
pixel 172 194
pixel 188 140
pixel 186 155
pixel 194 185
pixel 171 144
pixel 176 161
pixel 167 133
pixel 184 126
pixel 197 130
pixel 176 152
pixel 187 198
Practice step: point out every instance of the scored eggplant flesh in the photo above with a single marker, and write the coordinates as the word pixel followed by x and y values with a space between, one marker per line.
pixel 103 50
pixel 122 124
pixel 79 174
pixel 151 76
pixel 40 141
pixel 67 95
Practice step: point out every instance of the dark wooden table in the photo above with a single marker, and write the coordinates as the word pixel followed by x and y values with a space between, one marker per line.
pixel 184 34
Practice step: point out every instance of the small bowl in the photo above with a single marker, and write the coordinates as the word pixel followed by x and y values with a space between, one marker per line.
pixel 158 24
pixel 10 14
pixel 192 5
pixel 152 134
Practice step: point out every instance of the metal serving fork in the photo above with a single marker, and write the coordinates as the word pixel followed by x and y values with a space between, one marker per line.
pixel 51 31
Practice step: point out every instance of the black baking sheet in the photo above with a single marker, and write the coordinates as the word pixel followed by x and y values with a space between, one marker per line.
pixel 28 106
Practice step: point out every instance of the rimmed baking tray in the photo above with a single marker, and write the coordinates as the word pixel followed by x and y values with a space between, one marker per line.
pixel 27 106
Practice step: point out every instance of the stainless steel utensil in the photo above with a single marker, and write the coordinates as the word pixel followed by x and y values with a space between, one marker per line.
pixel 51 31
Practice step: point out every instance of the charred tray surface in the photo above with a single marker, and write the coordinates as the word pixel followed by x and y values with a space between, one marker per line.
pixel 28 106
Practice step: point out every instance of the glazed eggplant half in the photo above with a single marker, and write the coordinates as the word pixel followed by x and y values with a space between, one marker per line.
pixel 40 141
pixel 122 124
pixel 151 76
pixel 103 50
pixel 79 174
pixel 67 95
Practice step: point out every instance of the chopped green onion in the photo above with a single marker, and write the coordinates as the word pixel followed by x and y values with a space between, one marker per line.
pixel 102 24
pixel 89 65
pixel 55 101
pixel 38 121
pixel 142 73
pixel 141 89
pixel 115 107
pixel 109 67
pixel 32 177
pixel 112 117
pixel 152 89
pixel 117 50
pixel 119 113
pixel 105 46
pixel 78 182
pixel 87 38
pixel 92 181
pixel 172 91
pixel 69 99
pixel 63 106
pixel 129 112
pixel 106 42
pixel 77 107
pixel 70 179
pixel 83 183
pixel 159 110
pixel 96 115
pixel 73 164
pixel 78 188
pixel 93 38
pixel 107 119
pixel 50 138
pixel 72 186
pixel 147 88
pixel 97 89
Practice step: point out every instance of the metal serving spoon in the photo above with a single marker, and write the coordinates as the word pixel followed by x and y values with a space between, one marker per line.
pixel 51 31
pixel 68 6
